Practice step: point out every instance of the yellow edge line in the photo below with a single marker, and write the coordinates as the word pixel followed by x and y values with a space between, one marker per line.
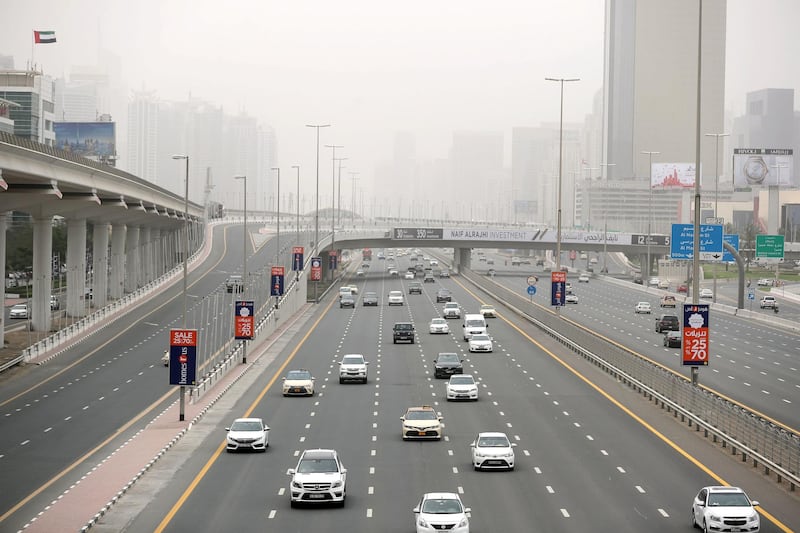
pixel 634 416
pixel 203 471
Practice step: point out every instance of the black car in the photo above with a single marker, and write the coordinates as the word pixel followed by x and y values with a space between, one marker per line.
pixel 415 287
pixel 347 300
pixel 672 339
pixel 667 323
pixel 403 331
pixel 443 295
pixel 370 298
pixel 444 273
pixel 447 364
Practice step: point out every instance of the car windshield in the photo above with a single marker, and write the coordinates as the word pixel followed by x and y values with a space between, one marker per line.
pixel 395 293
pixel 313 466
pixel 421 415
pixel 441 506
pixel 438 321
pixel 370 295
pixel 352 360
pixel 480 337
pixel 402 327
pixel 451 306
pixel 447 358
pixel 247 425
pixel 462 380
pixel 493 442
pixel 474 323
pixel 728 499
pixel 487 307
pixel 298 375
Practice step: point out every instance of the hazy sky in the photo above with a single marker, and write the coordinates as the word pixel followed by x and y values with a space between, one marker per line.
pixel 371 68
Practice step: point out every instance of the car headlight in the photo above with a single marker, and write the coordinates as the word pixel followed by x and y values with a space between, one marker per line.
pixel 421 522
pixel 464 522
pixel 296 485
pixel 714 518
pixel 337 484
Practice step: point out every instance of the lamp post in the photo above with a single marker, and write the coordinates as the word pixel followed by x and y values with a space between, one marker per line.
pixel 339 191
pixel 297 232
pixel 560 158
pixel 244 259
pixel 316 211
pixel 278 233
pixel 650 154
pixel 608 166
pixel 716 193
pixel 575 176
pixel 182 393
pixel 588 201
pixel 333 198
pixel 353 180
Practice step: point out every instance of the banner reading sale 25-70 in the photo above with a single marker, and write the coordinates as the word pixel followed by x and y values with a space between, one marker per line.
pixel 695 346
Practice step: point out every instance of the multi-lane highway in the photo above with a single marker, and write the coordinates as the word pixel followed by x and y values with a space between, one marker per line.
pixel 751 362
pixel 584 461
pixel 56 419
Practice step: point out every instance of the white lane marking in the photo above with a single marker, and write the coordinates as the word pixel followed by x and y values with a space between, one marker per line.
pixel 373 452
pixel 48 429
pixel 282 491
pixel 308 426
pixel 455 470
pixel 371 490
pixel 369 513
pixel 621 470
pixel 640 489
pixel 550 489
pixel 604 452
pixel 460 489
pixel 537 469
pixel 23 443
pixel 302 439
pixel 271 514
pixel 564 513
pixel 371 470
pixel 663 513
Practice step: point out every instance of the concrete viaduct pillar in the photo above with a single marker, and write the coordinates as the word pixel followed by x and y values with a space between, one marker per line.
pixel 100 264
pixel 39 311
pixel 132 259
pixel 117 275
pixel 145 256
pixel 77 300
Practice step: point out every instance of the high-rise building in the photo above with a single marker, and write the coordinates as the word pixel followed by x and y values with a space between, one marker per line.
pixel 34 94
pixel 143 137
pixel 476 158
pixel 266 160
pixel 650 84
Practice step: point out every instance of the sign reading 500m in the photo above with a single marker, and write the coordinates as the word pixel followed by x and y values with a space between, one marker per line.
pixel 417 234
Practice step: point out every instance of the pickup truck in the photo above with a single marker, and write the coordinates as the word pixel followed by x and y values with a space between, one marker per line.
pixel 403 331
pixel 667 323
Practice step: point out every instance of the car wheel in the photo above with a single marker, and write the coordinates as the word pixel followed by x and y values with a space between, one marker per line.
pixel 694 522
pixel 341 381
pixel 292 503
pixel 365 381
pixel 705 527
pixel 394 341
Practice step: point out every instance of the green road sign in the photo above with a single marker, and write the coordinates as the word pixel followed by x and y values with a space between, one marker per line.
pixel 769 246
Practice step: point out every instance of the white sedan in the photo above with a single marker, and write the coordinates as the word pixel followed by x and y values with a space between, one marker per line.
pixel 247 434
pixel 583 278
pixel 643 307
pixel 461 387
pixel 437 511
pixel 706 293
pixel 571 299
pixel 18 311
pixel 298 382
pixel 480 343
pixel 409 275
pixel 439 325
pixel 492 450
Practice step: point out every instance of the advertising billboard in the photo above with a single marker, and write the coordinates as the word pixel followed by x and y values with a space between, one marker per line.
pixel 665 175
pixel 763 167
pixel 182 356
pixel 95 140
pixel 695 341
pixel 244 320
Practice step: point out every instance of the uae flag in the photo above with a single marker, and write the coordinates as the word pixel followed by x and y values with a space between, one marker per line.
pixel 44 37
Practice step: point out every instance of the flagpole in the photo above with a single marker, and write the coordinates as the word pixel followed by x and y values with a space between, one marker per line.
pixel 33 41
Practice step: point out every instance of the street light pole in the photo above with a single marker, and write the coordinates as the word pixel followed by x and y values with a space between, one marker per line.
pixel 588 201
pixel 716 193
pixel 297 200
pixel 560 161
pixel 646 281
pixel 339 191
pixel 333 201
pixel 182 393
pixel 316 211
pixel 278 234
pixel 608 166
pixel 353 180
pixel 244 260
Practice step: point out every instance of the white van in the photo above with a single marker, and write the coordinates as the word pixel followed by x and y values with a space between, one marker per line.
pixel 473 324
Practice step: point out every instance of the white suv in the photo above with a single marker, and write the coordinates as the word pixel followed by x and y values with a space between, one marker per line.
pixel 318 478
pixel 353 367
pixel 395 298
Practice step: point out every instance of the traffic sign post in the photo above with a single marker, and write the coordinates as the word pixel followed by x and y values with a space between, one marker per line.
pixel 682 242
pixel 695 345
pixel 769 246
pixel 532 286
pixel 733 240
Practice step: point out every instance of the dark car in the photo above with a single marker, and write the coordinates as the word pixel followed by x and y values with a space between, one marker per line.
pixel 444 273
pixel 672 339
pixel 234 283
pixel 447 364
pixel 370 298
pixel 428 277
pixel 415 287
pixel 667 323
pixel 403 332
pixel 347 300
pixel 539 262
pixel 443 295
pixel 683 288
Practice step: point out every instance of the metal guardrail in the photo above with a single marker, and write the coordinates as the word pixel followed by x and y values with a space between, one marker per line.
pixel 776 449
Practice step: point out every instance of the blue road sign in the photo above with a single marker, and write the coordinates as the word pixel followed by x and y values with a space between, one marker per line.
pixel 682 243
pixel 751 294
pixel 531 289
pixel 733 240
